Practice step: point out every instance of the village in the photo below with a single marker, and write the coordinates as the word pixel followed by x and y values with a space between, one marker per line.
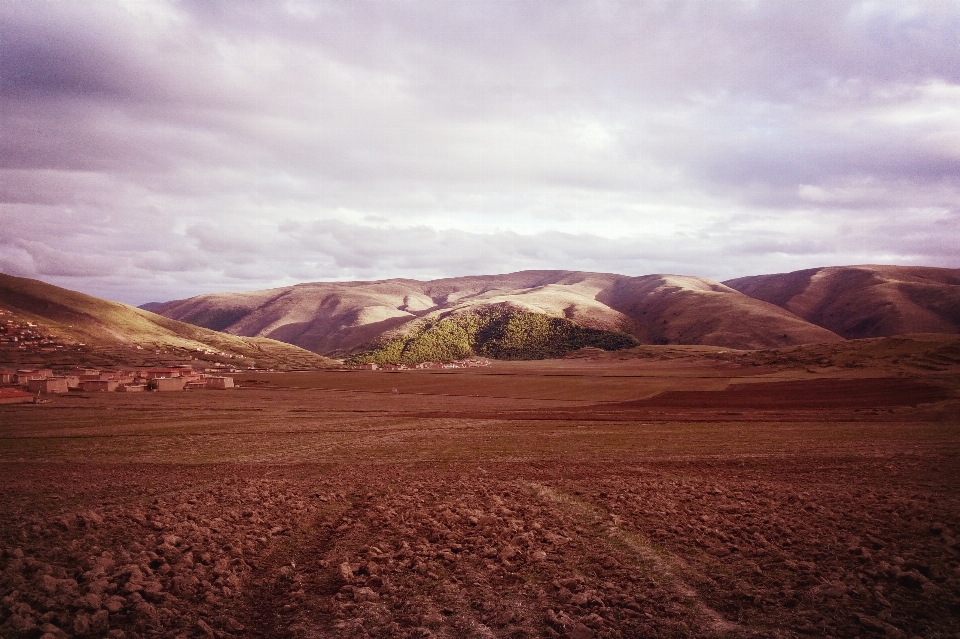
pixel 26 385
pixel 27 336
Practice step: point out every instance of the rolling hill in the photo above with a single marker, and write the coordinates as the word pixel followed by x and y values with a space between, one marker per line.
pixel 500 331
pixel 351 318
pixel 865 301
pixel 94 329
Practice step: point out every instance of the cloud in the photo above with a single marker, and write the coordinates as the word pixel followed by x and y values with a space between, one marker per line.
pixel 48 261
pixel 207 145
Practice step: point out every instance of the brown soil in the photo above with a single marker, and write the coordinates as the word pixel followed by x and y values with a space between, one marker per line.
pixel 683 500
pixel 804 394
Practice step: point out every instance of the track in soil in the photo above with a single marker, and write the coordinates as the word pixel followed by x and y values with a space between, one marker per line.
pixel 275 599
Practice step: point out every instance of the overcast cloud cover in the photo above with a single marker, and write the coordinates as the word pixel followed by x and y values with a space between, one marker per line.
pixel 153 150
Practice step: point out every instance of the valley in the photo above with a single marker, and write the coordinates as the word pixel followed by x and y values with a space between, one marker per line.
pixel 628 493
pixel 659 456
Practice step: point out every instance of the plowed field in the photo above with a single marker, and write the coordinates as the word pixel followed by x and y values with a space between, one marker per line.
pixel 679 498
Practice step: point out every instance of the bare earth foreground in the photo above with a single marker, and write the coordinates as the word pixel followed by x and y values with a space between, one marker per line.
pixel 691 494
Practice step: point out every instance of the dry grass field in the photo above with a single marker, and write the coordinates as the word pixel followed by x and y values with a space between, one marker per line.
pixel 662 493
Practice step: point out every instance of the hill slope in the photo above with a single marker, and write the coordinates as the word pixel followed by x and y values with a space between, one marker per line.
pixel 500 331
pixel 865 301
pixel 343 318
pixel 92 326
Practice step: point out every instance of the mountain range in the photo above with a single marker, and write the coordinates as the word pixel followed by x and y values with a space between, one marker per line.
pixel 525 315
pixel 534 314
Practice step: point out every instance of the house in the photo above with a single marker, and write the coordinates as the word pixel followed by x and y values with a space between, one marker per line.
pixel 156 373
pixel 7 377
pixel 368 367
pixel 48 385
pixel 99 385
pixel 194 385
pixel 219 382
pixel 167 383
pixel 15 396
pixel 85 371
pixel 26 374
pixel 132 388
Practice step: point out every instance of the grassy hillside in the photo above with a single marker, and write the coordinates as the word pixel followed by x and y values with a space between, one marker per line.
pixel 99 331
pixel 498 331
pixel 673 309
pixel 865 301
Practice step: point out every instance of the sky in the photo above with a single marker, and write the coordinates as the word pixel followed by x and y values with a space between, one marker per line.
pixel 159 149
